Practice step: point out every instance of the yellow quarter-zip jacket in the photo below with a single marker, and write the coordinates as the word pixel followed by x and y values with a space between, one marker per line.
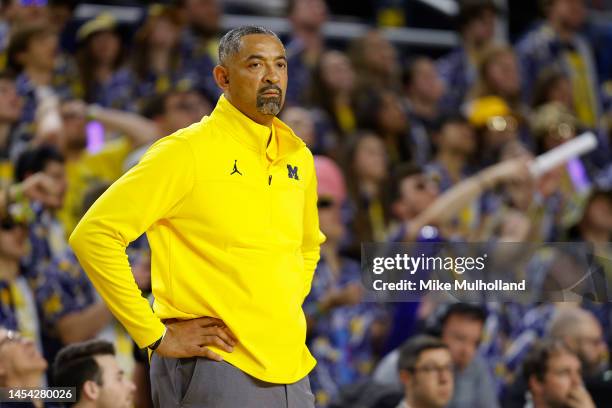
pixel 230 212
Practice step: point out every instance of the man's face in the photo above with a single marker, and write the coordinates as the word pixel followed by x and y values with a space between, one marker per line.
pixel 309 14
pixel 57 171
pixel 74 123
pixel 256 77
pixel 462 336
pixel 10 102
pixel 458 137
pixel 116 390
pixel 427 84
pixel 482 28
pixel 591 346
pixel 105 47
pixel 204 15
pixel 570 13
pixel 431 382
pixel 19 357
pixel 599 213
pixel 563 374
pixel 417 192
pixel 42 51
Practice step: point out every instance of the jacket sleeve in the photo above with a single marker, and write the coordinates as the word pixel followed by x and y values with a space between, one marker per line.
pixel 152 190
pixel 313 237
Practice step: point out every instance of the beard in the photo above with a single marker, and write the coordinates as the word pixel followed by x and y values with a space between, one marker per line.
pixel 269 105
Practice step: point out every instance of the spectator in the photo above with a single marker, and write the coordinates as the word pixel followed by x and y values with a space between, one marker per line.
pixel 18 309
pixel 367 177
pixel 557 43
pixel 302 122
pixel 458 69
pixel 100 56
pixel 553 373
pixel 33 54
pixel 498 75
pixel 91 367
pixel 21 364
pixel 426 371
pixel 305 47
pixel 51 268
pixel 333 91
pixel 199 43
pixel 495 124
pixel 10 114
pixel 343 330
pixel 382 111
pixel 376 62
pixel 423 90
pixel 460 328
pixel 106 165
pixel 553 86
pixel 156 59
pixel 14 14
pixel 455 146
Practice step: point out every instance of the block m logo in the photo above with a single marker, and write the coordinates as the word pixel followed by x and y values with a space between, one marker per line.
pixel 292 172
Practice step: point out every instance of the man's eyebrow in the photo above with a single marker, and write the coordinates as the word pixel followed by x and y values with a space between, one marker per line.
pixel 261 57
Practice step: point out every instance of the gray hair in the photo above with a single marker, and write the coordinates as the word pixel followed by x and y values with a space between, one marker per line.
pixel 230 42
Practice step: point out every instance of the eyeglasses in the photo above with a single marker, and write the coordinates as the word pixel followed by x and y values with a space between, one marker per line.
pixel 9 224
pixel 325 203
pixel 429 369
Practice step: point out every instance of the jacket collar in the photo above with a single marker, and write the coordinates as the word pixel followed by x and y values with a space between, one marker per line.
pixel 254 135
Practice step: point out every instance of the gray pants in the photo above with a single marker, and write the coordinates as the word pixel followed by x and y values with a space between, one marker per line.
pixel 202 383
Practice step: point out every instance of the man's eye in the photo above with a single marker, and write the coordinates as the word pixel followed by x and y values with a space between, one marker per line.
pixel 255 64
pixel 281 65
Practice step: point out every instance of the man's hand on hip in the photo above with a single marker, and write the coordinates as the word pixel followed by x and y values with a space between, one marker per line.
pixel 191 338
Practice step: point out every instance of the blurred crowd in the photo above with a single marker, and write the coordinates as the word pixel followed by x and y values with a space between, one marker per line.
pixel 407 148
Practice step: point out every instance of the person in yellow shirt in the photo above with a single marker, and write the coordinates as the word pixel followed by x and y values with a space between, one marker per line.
pixel 229 205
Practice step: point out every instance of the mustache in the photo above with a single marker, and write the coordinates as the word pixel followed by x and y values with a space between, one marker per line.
pixel 270 88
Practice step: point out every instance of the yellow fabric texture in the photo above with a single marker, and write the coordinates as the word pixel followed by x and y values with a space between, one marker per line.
pixel 240 245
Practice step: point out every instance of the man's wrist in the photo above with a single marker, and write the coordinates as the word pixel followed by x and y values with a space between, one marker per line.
pixel 156 344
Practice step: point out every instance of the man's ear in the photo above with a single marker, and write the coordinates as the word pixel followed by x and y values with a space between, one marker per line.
pixel 221 75
pixel 534 384
pixel 404 376
pixel 91 390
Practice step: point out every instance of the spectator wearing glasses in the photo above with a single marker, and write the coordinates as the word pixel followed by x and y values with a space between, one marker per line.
pixel 460 329
pixel 426 372
pixel 343 330
pixel 21 364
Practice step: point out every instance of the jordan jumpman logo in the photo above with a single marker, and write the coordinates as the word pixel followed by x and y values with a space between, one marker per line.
pixel 235 169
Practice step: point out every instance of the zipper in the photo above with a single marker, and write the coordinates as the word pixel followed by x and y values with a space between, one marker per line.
pixel 270 179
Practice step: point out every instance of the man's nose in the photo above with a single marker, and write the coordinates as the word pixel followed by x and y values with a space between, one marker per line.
pixel 271 77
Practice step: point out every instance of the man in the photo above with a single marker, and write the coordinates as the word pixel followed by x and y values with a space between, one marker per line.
pixel 460 328
pixel 233 252
pixel 423 90
pixel 557 43
pixel 21 364
pixel 476 25
pixel 10 112
pixel 426 371
pixel 553 373
pixel 306 46
pixel 91 367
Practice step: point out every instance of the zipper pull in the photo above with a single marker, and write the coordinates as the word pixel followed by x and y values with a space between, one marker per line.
pixel 269 179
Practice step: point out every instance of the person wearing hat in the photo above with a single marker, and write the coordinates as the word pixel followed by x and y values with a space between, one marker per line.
pixel 476 25
pixel 104 79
